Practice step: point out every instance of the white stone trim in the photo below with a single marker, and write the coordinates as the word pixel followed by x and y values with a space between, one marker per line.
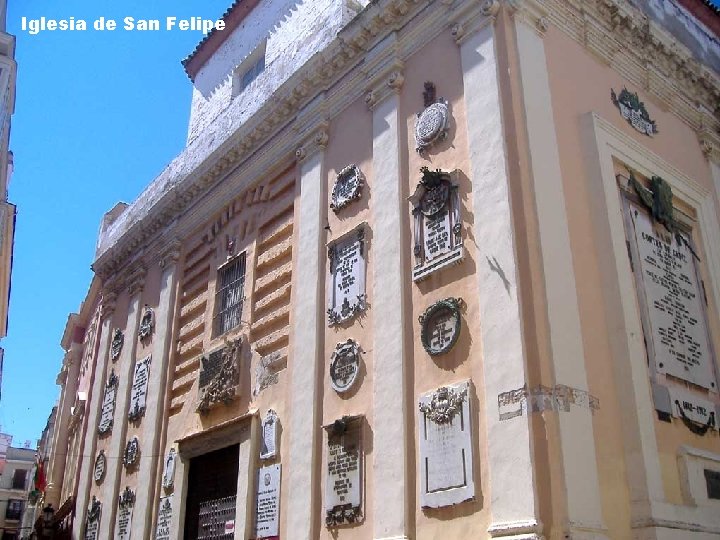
pixel 90 444
pixel 512 494
pixel 603 143
pixel 145 491
pixel 577 442
pixel 307 320
pixel 692 462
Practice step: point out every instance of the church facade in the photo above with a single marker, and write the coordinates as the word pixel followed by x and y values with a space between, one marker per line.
pixel 424 269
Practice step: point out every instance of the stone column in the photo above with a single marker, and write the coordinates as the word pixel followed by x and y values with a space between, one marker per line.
pixel 68 378
pixel 390 281
pixel 577 440
pixel 307 344
pixel 124 368
pixel 151 423
pixel 94 404
pixel 512 496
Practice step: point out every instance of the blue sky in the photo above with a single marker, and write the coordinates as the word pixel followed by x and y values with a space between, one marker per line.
pixel 98 116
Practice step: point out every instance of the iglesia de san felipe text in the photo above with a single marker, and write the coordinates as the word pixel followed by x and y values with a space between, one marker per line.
pixel 425 269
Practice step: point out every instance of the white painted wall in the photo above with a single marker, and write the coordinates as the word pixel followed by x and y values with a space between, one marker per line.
pixel 295 31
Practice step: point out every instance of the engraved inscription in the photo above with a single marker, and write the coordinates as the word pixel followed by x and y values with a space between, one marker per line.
pixel 139 389
pixel 347 271
pixel 267 518
pixel 162 531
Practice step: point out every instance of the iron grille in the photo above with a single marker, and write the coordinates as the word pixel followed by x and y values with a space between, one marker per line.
pixel 216 520
pixel 229 295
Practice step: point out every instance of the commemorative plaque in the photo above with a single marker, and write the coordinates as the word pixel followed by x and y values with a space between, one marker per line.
pixel 92 524
pixel 440 326
pixel 168 478
pixel 268 441
pixel 108 404
pixel 344 366
pixel 343 484
pixel 123 525
pixel 139 388
pixel 162 531
pixel 348 187
pixel 347 274
pixel 267 512
pixel 100 466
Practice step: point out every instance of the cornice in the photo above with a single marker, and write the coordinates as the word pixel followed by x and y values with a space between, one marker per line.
pixel 645 54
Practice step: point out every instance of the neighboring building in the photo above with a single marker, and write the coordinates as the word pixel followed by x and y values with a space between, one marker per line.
pixel 424 270
pixel 16 478
pixel 8 70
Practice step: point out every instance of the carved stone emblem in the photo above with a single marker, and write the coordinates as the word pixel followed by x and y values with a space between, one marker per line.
pixel 347 272
pixel 269 436
pixel 444 404
pixel 440 326
pixel 117 344
pixel 437 230
pixel 168 478
pixel 219 376
pixel 348 187
pixel 94 510
pixel 633 110
pixel 431 125
pixel 92 524
pixel 132 453
pixel 147 322
pixel 344 365
pixel 100 467
pixel 127 498
pixel 345 472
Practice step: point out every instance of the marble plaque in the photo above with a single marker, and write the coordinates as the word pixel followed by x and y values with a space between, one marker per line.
pixel 446 464
pixel 347 274
pixel 343 484
pixel 146 323
pixel 348 187
pixel 440 326
pixel 139 388
pixel 100 466
pixel 691 406
pixel 92 525
pixel 168 478
pixel 108 405
pixel 678 338
pixel 268 441
pixel 123 523
pixel 344 366
pixel 437 228
pixel 267 512
pixel 132 453
pixel 117 344
pixel 162 531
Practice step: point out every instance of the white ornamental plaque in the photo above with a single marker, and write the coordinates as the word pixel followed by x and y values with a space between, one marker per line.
pixel 268 442
pixel 267 513
pixel 168 478
pixel 162 531
pixel 100 466
pixel 138 397
pixel 108 404
pixel 344 366
pixel 92 525
pixel 347 188
pixel 446 464
pixel 347 274
pixel 692 407
pixel 675 310
pixel 123 524
pixel 343 484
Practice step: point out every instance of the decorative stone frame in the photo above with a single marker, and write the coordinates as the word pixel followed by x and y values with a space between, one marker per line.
pixel 450 306
pixel 433 123
pixel 436 211
pixel 94 514
pixel 346 514
pixel 605 143
pixel 271 419
pixel 137 408
pixel 100 459
pixel 348 187
pixel 168 477
pixel 219 385
pixel 126 498
pixel 349 351
pixel 131 456
pixel 147 323
pixel 342 310
pixel 117 344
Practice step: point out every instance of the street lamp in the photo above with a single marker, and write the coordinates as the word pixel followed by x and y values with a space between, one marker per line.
pixel 47 515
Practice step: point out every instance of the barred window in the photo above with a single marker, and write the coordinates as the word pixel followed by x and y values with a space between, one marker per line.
pixel 229 295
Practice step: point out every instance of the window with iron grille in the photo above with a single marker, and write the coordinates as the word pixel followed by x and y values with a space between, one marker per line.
pixel 14 509
pixel 229 295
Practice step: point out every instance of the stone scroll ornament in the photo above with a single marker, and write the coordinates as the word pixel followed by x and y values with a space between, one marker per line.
pixel 440 326
pixel 444 404
pixel 633 110
pixel 348 187
pixel 431 125
pixel 344 366
pixel 132 453
pixel 147 323
pixel 437 231
pixel 117 344
pixel 219 377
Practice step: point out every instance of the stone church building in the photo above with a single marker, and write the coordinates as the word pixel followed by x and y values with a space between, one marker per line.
pixel 426 269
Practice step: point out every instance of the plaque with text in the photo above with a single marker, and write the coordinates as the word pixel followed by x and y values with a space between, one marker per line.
pixel 139 388
pixel 123 523
pixel 162 531
pixel 347 274
pixel 92 525
pixel 268 441
pixel 446 464
pixel 267 512
pixel 690 406
pixel 677 334
pixel 168 478
pixel 108 405
pixel 343 484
